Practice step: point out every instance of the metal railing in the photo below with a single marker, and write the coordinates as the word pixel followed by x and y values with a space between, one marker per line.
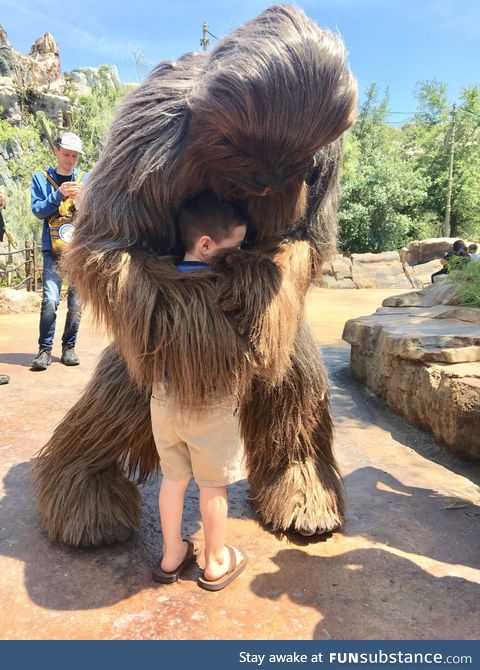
pixel 24 270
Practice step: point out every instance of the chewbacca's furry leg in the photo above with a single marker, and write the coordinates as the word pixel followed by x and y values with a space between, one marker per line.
pixel 83 495
pixel 288 438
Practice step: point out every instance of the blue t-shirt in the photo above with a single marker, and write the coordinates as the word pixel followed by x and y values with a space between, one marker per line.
pixel 46 199
pixel 190 266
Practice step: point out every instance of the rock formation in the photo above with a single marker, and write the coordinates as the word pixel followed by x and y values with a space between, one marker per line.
pixel 35 82
pixel 422 357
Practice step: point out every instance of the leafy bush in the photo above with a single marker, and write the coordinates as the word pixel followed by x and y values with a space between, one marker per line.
pixel 466 275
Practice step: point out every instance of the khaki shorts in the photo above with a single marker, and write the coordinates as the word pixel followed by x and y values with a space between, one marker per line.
pixel 206 446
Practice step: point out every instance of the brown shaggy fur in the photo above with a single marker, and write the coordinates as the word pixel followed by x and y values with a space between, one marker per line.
pixel 256 121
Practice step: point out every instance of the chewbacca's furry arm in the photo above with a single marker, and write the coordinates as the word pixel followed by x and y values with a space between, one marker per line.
pixel 165 323
pixel 264 293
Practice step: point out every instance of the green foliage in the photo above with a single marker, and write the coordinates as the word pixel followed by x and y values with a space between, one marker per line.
pixel 466 275
pixel 381 192
pixel 429 138
pixel 394 181
pixel 93 113
pixel 29 151
pixel 28 154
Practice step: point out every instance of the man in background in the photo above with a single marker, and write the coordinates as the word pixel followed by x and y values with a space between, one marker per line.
pixel 56 188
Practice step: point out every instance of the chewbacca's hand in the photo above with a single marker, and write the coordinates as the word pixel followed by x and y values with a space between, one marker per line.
pixel 246 285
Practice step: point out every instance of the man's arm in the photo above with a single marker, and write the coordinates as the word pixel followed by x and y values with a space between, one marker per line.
pixel 44 205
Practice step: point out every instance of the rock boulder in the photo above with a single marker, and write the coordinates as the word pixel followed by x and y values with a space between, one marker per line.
pixel 15 302
pixel 423 251
pixel 383 270
pixel 424 362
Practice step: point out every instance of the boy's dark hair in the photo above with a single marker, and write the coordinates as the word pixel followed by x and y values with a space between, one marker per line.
pixel 205 214
pixel 472 248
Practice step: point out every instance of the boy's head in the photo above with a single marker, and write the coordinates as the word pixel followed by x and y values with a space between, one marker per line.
pixel 472 248
pixel 207 225
pixel 459 246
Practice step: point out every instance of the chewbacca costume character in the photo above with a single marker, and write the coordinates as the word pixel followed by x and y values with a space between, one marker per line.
pixel 256 121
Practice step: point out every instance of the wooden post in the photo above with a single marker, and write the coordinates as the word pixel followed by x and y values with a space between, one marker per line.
pixel 28 266
pixel 451 150
pixel 9 263
pixel 34 265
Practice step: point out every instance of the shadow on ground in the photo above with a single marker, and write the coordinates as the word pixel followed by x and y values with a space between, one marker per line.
pixel 21 359
pixel 368 590
pixel 380 508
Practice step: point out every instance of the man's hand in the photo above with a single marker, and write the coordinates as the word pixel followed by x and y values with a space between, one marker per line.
pixel 71 189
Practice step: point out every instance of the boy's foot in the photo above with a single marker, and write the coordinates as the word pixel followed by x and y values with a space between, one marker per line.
pixel 169 577
pixel 236 566
pixel 42 360
pixel 69 357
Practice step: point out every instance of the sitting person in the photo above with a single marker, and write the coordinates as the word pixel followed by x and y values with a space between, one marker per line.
pixel 206 446
pixel 459 250
pixel 473 251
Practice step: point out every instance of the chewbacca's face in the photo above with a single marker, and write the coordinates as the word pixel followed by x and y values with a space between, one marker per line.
pixel 247 169
pixel 270 96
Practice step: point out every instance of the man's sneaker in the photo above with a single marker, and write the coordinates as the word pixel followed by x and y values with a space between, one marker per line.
pixel 42 360
pixel 4 379
pixel 69 357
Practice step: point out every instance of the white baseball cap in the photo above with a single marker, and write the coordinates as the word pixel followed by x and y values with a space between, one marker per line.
pixel 70 141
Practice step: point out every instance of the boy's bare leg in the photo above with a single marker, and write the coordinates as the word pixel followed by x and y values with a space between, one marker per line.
pixel 170 499
pixel 214 509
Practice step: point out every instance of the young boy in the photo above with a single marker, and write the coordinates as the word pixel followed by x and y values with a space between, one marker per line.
pixel 207 446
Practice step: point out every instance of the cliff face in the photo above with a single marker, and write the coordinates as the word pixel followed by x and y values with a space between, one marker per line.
pixel 40 68
pixel 35 83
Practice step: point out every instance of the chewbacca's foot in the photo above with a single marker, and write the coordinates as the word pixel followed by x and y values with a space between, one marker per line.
pixel 81 509
pixel 308 523
pixel 300 499
pixel 118 533
pixel 309 532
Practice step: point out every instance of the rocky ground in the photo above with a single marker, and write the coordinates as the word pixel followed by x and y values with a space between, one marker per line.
pixel 405 566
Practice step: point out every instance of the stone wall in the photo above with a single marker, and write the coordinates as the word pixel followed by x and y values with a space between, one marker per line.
pixel 411 267
pixel 424 362
pixel 385 270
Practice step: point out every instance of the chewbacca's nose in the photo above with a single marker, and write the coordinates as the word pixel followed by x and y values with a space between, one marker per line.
pixel 267 179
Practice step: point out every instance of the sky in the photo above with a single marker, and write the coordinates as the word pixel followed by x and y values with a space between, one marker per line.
pixel 394 43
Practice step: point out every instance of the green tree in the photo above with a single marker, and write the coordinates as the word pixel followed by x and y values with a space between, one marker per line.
pixel 29 151
pixel 381 192
pixel 27 154
pixel 428 140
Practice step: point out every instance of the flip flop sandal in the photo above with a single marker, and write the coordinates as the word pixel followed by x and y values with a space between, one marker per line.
pixel 165 577
pixel 233 571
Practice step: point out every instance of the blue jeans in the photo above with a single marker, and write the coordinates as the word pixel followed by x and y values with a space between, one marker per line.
pixel 52 284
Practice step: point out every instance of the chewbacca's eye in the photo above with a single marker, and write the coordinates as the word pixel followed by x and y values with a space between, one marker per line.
pixel 266 179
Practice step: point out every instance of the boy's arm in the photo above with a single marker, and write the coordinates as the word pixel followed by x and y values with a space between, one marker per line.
pixel 43 205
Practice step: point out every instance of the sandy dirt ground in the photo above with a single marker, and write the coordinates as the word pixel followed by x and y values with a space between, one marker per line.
pixel 405 565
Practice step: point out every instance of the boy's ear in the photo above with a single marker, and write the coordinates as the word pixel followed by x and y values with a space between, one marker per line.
pixel 204 243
